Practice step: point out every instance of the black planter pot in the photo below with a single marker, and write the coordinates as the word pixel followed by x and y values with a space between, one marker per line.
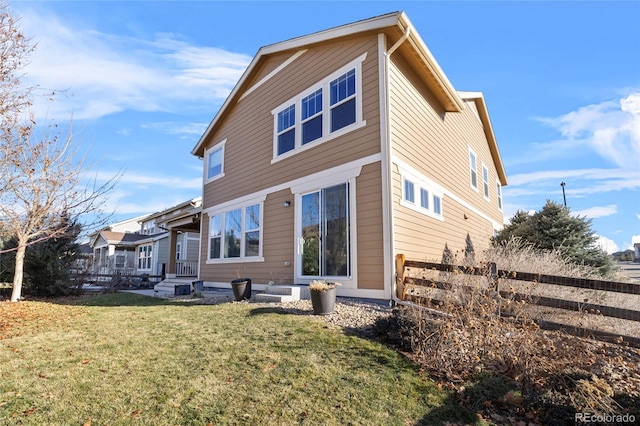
pixel 323 301
pixel 241 289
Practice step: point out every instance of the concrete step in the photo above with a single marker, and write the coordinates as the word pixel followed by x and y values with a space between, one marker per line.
pixel 274 298
pixel 283 293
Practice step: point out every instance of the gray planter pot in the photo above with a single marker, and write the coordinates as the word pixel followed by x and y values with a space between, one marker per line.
pixel 323 302
pixel 241 289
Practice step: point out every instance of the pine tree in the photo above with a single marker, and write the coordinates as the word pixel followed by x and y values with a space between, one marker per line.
pixel 47 264
pixel 469 252
pixel 554 228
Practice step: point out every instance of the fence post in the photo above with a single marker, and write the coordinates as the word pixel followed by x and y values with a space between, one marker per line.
pixel 494 282
pixel 400 275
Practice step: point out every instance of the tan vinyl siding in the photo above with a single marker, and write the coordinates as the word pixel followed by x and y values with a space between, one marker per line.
pixel 369 221
pixel 437 145
pixel 269 65
pixel 249 131
pixel 278 246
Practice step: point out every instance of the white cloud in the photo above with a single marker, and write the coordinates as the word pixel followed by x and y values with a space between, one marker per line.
pixel 183 130
pixel 607 244
pixel 103 74
pixel 634 239
pixel 611 129
pixel 140 180
pixel 581 182
pixel 597 211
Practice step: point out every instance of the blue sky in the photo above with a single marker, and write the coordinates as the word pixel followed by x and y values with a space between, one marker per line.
pixel 143 79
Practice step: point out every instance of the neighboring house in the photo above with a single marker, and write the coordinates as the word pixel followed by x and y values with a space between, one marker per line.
pixel 113 247
pixel 337 150
pixel 173 243
pixel 114 252
pixel 165 243
pixel 636 252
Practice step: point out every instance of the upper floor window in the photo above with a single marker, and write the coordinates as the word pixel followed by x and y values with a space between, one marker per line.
pixel 312 117
pixel 214 162
pixel 473 169
pixel 149 228
pixel 499 191
pixel 343 100
pixel 324 111
pixel 485 181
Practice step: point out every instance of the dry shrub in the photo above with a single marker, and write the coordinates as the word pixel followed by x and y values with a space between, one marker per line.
pixel 465 327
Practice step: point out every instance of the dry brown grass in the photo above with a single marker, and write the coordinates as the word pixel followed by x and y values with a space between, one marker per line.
pixel 472 336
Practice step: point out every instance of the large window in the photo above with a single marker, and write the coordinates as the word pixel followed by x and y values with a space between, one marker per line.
pixel 325 110
pixel 214 162
pixel 236 234
pixel 145 254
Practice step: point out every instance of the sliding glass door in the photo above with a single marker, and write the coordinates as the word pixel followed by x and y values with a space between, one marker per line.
pixel 325 232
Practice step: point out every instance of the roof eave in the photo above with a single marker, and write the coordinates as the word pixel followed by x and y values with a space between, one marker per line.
pixel 450 99
pixel 483 112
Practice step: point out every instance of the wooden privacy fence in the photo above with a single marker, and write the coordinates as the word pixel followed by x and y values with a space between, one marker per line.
pixel 408 284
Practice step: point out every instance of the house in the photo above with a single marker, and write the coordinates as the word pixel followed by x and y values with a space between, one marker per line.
pixel 337 150
pixel 636 252
pixel 161 244
pixel 172 244
pixel 114 252
pixel 114 247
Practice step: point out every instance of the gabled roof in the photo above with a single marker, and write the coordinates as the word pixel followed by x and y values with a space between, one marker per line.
pixel 118 238
pixel 481 106
pixel 194 203
pixel 395 25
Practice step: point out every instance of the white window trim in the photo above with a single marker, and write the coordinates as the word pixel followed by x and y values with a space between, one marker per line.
pixel 499 196
pixel 420 181
pixel 472 171
pixel 326 107
pixel 214 211
pixel 486 196
pixel 150 246
pixel 220 144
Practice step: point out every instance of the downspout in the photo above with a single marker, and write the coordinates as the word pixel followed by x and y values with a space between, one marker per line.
pixel 390 256
pixel 389 170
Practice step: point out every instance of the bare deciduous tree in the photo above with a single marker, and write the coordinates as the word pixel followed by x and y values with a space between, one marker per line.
pixel 41 174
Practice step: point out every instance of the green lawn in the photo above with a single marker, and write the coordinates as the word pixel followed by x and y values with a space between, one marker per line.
pixel 128 359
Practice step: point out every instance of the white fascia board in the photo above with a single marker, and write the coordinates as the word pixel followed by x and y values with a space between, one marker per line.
pixel 376 23
pixel 469 95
